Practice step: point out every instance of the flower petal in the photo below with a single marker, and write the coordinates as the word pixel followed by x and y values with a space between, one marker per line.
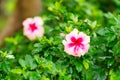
pixel 38 31
pixel 38 20
pixel 76 44
pixel 74 34
pixel 86 39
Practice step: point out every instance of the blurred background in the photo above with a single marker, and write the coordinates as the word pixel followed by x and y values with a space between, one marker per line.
pixel 6 9
pixel 8 6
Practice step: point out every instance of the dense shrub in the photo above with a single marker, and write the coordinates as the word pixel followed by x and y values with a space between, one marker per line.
pixel 45 59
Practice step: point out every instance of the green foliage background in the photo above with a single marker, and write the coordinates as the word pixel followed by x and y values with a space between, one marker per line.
pixel 45 59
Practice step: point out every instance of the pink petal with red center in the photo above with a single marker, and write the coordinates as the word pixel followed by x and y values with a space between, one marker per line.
pixel 38 21
pixel 85 50
pixel 76 44
pixel 67 49
pixel 33 28
pixel 86 39
pixel 72 34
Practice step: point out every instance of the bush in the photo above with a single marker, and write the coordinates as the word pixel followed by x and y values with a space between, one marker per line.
pixel 45 59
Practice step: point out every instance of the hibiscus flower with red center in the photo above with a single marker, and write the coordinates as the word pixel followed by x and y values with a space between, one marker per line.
pixel 33 28
pixel 76 43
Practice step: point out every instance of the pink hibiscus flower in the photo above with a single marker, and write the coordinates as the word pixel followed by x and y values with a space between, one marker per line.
pixel 33 28
pixel 76 43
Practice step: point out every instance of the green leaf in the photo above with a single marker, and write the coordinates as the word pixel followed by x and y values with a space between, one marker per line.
pixel 28 59
pixel 92 24
pixel 78 66
pixel 34 75
pixel 30 62
pixel 116 49
pixel 22 62
pixel 33 65
pixel 115 75
pixel 16 71
pixel 85 63
pixel 44 78
pixel 5 66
